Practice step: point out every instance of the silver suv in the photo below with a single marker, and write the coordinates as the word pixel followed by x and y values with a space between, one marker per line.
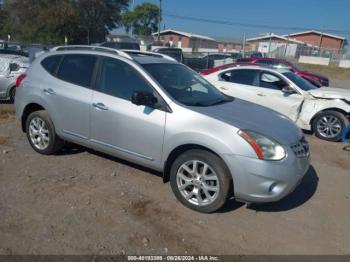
pixel 153 111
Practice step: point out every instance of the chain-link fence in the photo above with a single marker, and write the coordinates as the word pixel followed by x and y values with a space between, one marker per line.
pixel 206 60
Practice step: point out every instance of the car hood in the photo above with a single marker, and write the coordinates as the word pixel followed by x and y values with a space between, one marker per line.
pixel 331 93
pixel 249 116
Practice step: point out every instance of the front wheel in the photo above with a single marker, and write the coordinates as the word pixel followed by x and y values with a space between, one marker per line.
pixel 330 125
pixel 200 180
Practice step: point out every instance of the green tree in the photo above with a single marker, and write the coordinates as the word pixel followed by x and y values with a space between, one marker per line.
pixel 143 20
pixel 97 17
pixel 49 21
pixel 3 18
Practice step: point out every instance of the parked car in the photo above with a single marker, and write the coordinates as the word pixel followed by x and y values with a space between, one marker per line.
pixel 208 60
pixel 3 45
pixel 172 52
pixel 313 78
pixel 13 52
pixel 127 45
pixel 11 66
pixel 151 110
pixel 325 111
pixel 252 54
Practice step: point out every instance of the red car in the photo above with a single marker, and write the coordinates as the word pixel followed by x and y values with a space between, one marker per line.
pixel 315 79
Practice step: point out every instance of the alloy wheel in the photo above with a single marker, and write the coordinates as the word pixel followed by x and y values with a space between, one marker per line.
pixel 329 126
pixel 198 183
pixel 39 133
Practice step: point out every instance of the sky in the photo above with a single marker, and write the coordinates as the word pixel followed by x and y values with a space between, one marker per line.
pixel 262 16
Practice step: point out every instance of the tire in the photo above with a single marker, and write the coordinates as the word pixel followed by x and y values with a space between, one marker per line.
pixel 12 94
pixel 195 184
pixel 337 124
pixel 41 133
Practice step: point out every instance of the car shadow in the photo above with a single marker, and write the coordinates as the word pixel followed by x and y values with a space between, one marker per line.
pixel 70 149
pixel 124 162
pixel 301 195
pixel 230 205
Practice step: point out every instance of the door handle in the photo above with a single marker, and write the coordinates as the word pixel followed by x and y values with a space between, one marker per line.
pixel 261 94
pixel 100 106
pixel 49 91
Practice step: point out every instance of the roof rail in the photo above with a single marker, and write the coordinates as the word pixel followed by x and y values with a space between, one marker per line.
pixel 138 52
pixel 92 48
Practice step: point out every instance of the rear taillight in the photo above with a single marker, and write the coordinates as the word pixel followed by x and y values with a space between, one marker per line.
pixel 19 80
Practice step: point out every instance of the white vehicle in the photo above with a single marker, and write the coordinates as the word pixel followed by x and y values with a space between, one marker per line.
pixel 325 111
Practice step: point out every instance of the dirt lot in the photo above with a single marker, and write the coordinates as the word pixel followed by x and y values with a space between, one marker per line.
pixel 83 202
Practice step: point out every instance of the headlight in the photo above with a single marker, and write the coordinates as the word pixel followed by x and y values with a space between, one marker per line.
pixel 264 147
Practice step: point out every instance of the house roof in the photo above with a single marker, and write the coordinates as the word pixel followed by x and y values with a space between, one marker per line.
pixel 316 32
pixel 190 35
pixel 267 37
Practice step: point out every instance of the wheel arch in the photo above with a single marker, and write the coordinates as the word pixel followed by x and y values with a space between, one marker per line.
pixel 30 108
pixel 10 88
pixel 180 150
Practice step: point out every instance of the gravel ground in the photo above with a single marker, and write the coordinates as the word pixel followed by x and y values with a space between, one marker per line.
pixel 84 202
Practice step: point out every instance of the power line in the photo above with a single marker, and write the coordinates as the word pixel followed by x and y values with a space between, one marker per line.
pixel 265 26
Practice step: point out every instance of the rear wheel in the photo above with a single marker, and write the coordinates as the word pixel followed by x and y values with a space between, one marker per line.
pixel 330 125
pixel 41 133
pixel 200 180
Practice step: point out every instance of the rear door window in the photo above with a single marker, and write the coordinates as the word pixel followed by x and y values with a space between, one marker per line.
pixel 77 69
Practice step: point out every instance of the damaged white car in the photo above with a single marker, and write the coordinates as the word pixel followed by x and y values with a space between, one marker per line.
pixel 325 111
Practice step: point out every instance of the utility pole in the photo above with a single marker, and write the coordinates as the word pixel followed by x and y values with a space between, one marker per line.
pixel 268 53
pixel 320 44
pixel 159 18
pixel 243 46
pixel 286 47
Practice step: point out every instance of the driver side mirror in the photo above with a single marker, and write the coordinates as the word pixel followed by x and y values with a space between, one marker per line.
pixel 288 90
pixel 141 98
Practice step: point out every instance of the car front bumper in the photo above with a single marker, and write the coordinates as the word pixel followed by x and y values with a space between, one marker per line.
pixel 259 181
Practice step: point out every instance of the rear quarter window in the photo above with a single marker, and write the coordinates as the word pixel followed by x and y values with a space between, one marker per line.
pixel 51 63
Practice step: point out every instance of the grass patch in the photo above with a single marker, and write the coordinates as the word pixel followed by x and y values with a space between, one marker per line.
pixel 331 71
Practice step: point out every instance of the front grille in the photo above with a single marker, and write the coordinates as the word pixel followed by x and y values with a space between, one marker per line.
pixel 301 148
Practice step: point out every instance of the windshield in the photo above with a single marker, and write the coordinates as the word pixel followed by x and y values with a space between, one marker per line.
pixel 186 86
pixel 299 81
